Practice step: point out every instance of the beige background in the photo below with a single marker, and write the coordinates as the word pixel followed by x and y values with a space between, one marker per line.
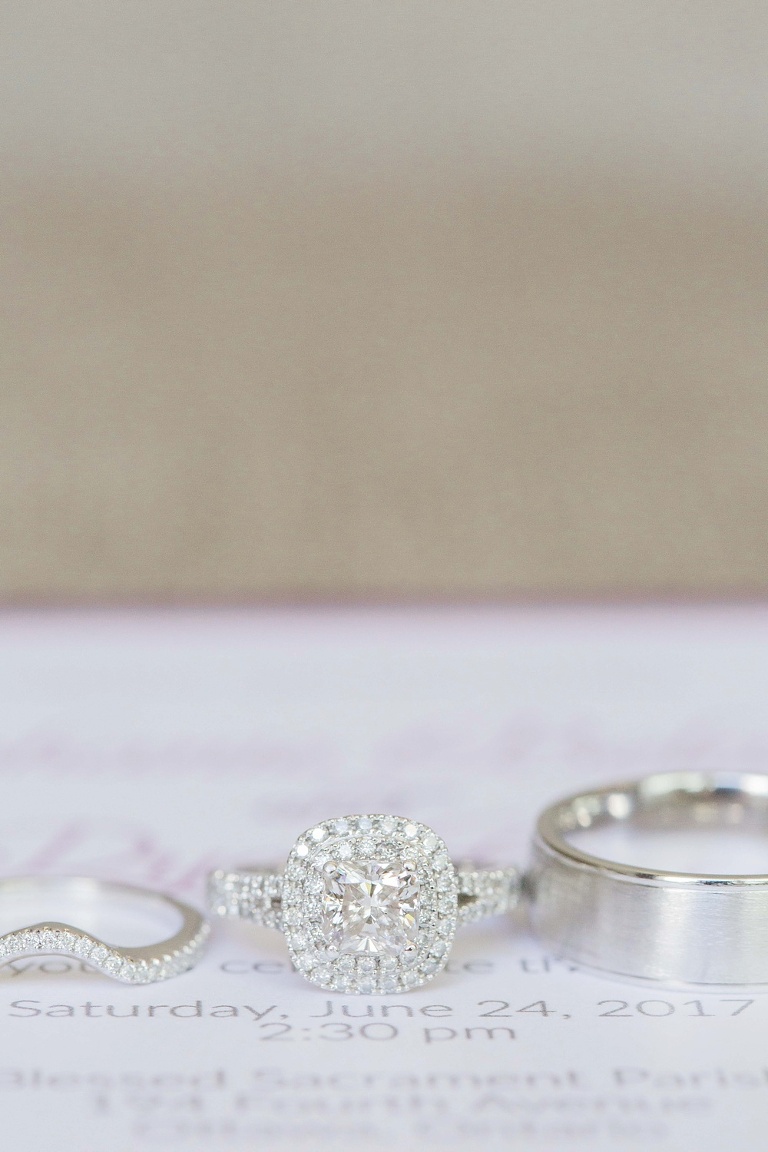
pixel 383 299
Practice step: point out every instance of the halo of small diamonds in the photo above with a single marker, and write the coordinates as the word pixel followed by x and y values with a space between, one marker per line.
pixel 369 904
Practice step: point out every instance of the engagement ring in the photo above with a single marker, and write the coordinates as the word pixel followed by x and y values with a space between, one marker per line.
pixel 367 903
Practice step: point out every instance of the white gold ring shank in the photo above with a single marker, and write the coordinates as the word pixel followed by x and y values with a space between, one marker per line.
pixel 142 964
pixel 367 903
pixel 673 927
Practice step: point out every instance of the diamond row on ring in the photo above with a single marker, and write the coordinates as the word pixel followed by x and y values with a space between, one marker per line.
pixel 115 962
pixel 253 894
pixel 487 892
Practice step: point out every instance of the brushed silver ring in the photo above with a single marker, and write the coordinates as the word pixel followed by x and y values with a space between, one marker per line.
pixel 657 925
pixel 142 964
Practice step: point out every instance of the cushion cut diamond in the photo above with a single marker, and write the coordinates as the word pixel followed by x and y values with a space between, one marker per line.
pixel 367 902
pixel 371 906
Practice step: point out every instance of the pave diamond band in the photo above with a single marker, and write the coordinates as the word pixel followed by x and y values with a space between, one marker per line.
pixel 143 964
pixel 486 892
pixel 367 903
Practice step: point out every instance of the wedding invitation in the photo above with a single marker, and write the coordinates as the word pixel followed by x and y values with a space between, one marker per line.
pixel 151 747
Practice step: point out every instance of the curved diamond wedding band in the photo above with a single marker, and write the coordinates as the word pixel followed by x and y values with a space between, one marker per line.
pixel 134 965
pixel 367 903
pixel 674 927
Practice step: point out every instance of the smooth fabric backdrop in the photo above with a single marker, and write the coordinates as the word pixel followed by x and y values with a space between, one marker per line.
pixel 372 299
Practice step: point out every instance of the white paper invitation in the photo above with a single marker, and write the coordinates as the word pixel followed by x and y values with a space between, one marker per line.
pixel 151 747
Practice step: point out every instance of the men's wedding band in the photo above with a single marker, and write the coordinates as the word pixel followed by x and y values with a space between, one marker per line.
pixel 367 903
pixel 134 965
pixel 674 927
